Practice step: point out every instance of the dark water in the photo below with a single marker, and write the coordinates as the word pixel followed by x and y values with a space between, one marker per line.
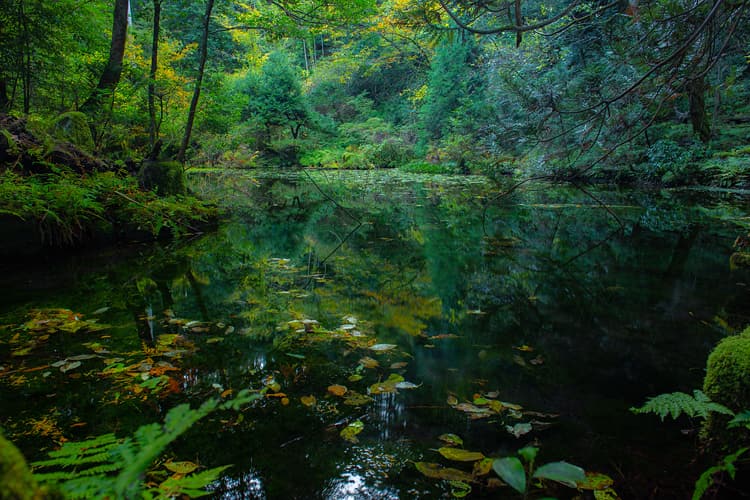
pixel 540 298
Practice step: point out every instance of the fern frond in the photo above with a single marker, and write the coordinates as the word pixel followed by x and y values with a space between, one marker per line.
pixel 677 403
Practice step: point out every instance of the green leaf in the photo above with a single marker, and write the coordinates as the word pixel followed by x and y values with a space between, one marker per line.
pixel 595 481
pixel 528 453
pixel 451 439
pixel 561 472
pixel 350 432
pixel 437 471
pixel 677 403
pixel 740 420
pixel 510 470
pixel 459 489
pixel 460 455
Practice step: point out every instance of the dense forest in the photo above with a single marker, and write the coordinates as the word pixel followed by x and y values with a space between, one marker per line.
pixel 239 206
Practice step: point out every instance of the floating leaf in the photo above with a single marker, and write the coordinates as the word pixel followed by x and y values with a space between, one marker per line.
pixel 356 399
pixel 355 378
pixel 294 355
pixel 451 439
pixel 452 400
pixel 437 471
pixel 181 467
pixel 101 310
pixel 524 348
pixel 337 390
pixel 510 470
pixel 368 362
pixel 460 455
pixel 71 365
pixel 608 494
pixel 519 430
pixel 82 357
pixel 350 432
pixel 561 472
pixel 398 365
pixel 460 489
pixel 308 400
pixel 595 481
pixel 407 385
pixel 382 347
pixel 539 360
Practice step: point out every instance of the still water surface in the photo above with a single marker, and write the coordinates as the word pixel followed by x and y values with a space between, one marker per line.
pixel 539 299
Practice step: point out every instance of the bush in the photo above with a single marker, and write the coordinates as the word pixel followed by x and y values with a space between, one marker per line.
pixel 167 178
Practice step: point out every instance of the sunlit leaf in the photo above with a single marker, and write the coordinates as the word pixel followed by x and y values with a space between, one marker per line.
pixel 451 439
pixel 607 494
pixel 437 471
pixel 561 472
pixel 350 432
pixel 355 378
pixel 337 390
pixel 510 470
pixel 460 455
pixel 180 467
pixel 398 365
pixel 524 348
pixel 308 400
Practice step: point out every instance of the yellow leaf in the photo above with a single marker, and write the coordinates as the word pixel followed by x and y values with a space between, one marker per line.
pixel 337 390
pixel 181 467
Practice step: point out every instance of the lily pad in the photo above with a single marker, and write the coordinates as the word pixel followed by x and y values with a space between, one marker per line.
pixel 460 455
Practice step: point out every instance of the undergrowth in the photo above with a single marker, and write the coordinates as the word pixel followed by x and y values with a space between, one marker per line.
pixel 67 209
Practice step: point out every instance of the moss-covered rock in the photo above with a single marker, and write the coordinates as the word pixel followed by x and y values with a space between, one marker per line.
pixel 16 481
pixel 739 260
pixel 73 127
pixel 165 177
pixel 728 382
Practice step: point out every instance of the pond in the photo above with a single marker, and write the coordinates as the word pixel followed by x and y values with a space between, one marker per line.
pixel 377 312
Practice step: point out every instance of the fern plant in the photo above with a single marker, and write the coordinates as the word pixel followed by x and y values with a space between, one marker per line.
pixel 110 467
pixel 677 403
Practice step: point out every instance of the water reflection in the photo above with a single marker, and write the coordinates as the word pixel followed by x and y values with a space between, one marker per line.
pixel 472 304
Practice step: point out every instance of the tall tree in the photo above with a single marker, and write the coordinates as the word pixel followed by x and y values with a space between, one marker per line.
pixel 110 77
pixel 153 130
pixel 198 81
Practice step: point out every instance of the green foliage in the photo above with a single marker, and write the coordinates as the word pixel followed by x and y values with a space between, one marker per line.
pixel 517 476
pixel 677 403
pixel 16 480
pixel 107 466
pixel 706 480
pixel 73 127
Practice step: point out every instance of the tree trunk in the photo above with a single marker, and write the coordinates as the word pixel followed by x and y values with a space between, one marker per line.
pixel 198 80
pixel 4 99
pixel 153 130
pixel 698 116
pixel 112 71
